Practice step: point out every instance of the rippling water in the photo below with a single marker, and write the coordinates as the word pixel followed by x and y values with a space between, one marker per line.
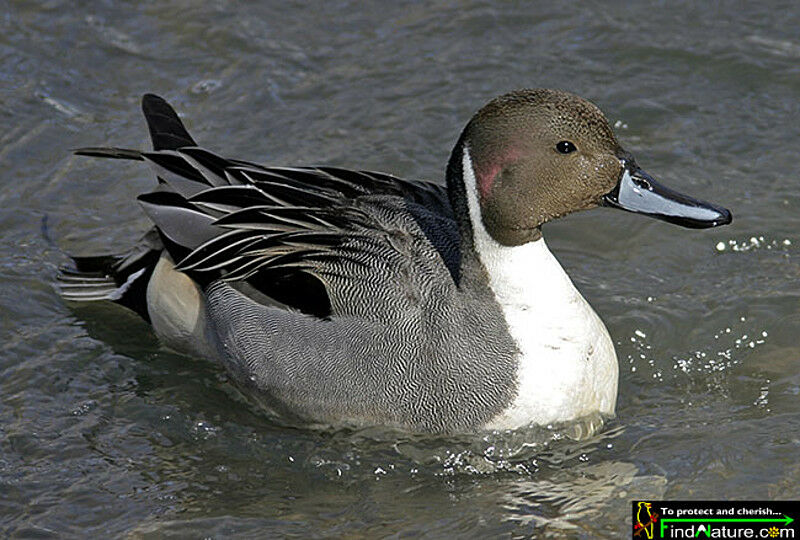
pixel 102 432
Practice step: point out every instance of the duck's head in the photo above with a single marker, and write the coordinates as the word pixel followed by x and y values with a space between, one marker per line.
pixel 536 155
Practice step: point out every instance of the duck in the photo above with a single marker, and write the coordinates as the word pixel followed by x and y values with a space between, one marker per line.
pixel 342 297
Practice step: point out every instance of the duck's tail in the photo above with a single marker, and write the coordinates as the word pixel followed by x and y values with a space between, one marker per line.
pixel 119 278
pixel 123 278
pixel 166 131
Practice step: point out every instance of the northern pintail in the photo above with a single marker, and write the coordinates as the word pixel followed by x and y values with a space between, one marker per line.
pixel 354 297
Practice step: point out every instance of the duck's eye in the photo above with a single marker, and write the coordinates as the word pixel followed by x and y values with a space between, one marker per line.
pixel 565 147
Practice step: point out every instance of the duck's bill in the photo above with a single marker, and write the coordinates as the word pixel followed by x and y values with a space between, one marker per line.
pixel 638 192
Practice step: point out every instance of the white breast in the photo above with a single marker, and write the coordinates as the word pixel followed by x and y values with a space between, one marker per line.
pixel 567 364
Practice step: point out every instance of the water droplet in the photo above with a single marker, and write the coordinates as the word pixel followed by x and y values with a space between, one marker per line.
pixel 206 86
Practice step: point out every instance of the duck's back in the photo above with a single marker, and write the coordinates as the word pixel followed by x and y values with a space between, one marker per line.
pixel 402 343
pixel 333 294
pixel 391 339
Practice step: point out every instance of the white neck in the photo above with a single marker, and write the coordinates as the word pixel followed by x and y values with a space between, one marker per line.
pixel 567 364
pixel 525 275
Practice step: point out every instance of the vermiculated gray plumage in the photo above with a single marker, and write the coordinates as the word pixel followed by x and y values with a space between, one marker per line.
pixel 332 294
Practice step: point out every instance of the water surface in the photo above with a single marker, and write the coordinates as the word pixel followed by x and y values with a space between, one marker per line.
pixel 104 433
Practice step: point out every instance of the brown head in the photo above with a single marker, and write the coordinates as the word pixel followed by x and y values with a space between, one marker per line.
pixel 541 154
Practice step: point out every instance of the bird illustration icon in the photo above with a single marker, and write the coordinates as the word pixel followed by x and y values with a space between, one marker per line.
pixel 644 520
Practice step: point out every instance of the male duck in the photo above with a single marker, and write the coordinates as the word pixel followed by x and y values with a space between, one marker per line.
pixel 354 297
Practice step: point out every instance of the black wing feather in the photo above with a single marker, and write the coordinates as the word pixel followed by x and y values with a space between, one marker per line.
pixel 166 129
pixel 274 227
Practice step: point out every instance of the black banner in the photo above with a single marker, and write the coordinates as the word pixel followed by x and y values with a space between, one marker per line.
pixel 715 519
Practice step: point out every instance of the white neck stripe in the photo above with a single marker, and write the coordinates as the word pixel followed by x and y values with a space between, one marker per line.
pixel 566 365
pixel 516 273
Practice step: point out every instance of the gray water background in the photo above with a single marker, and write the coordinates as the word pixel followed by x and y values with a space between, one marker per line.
pixel 104 433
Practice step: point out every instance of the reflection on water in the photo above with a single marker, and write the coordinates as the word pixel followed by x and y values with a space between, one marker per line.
pixel 104 433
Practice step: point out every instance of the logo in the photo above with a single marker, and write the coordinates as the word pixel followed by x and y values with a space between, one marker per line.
pixel 714 519
pixel 645 521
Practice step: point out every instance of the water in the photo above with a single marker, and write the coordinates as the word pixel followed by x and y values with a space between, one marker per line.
pixel 104 433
